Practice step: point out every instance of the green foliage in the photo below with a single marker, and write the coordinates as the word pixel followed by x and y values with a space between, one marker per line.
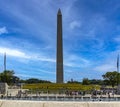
pixel 74 82
pixel 34 80
pixel 111 78
pixel 8 77
pixel 96 81
pixel 85 81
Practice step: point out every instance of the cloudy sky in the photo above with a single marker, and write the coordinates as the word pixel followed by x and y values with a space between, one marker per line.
pixel 91 36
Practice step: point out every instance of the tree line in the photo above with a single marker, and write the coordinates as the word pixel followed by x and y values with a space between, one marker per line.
pixel 109 78
pixel 9 77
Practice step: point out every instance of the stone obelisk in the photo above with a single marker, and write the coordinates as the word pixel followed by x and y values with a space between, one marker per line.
pixel 59 60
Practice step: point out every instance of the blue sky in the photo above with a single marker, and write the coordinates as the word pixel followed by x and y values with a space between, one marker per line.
pixel 91 36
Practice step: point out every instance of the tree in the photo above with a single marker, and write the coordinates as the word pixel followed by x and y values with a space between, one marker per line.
pixel 32 80
pixel 35 80
pixel 96 81
pixel 73 82
pixel 85 81
pixel 111 78
pixel 8 77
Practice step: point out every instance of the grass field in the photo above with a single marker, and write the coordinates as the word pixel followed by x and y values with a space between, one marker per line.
pixel 53 87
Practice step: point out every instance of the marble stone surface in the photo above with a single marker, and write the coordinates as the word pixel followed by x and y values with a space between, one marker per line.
pixel 20 103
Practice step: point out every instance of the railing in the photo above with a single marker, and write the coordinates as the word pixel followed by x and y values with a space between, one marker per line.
pixel 61 98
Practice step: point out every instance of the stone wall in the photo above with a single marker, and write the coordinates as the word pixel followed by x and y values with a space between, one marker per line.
pixel 14 103
pixel 3 88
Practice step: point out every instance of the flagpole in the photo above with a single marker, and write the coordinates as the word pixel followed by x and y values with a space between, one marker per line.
pixel 118 63
pixel 118 69
pixel 5 61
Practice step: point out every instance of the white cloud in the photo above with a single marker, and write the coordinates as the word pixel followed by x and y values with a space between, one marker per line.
pixel 13 52
pixel 75 24
pixel 3 30
pixel 42 58
pixel 71 61
pixel 76 61
pixel 105 68
pixel 21 54
pixel 117 39
pixel 26 75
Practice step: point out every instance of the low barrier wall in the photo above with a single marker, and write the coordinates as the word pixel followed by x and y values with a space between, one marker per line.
pixel 16 103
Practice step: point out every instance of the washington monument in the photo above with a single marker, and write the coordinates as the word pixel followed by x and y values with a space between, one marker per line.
pixel 59 59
